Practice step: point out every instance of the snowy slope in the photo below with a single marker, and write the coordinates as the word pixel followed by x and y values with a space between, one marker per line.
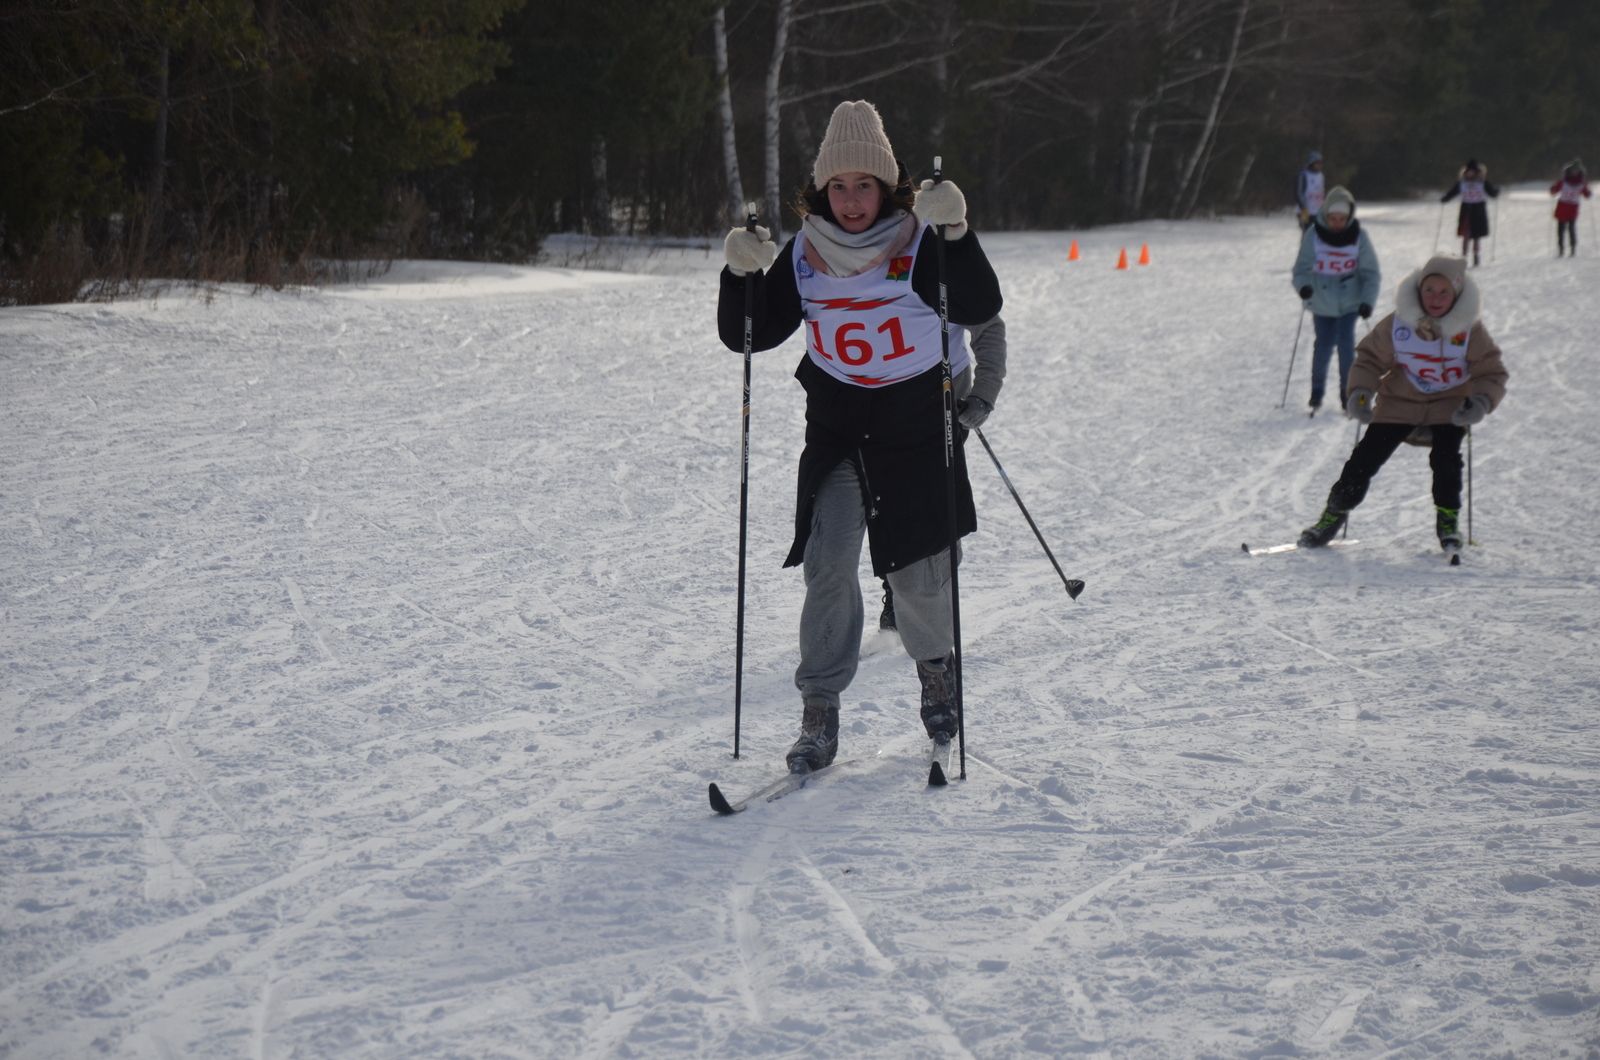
pixel 367 652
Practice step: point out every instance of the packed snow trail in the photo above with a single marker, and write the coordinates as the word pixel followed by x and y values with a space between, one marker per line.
pixel 367 653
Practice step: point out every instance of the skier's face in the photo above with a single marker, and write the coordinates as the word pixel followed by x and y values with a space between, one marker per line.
pixel 855 199
pixel 1338 221
pixel 1438 295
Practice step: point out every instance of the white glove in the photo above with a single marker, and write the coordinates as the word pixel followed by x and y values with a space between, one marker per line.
pixel 942 204
pixel 749 251
pixel 1358 406
pixel 973 412
pixel 1472 411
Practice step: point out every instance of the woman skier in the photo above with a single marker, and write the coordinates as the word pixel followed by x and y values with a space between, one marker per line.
pixel 1429 363
pixel 1336 274
pixel 1570 189
pixel 1472 220
pixel 862 277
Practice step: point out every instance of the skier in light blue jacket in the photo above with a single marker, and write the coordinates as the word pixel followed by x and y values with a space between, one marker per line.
pixel 1336 274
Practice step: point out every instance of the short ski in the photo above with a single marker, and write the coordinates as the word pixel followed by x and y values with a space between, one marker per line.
pixel 1295 546
pixel 787 784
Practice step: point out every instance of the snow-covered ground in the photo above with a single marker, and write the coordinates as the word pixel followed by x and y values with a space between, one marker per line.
pixel 366 653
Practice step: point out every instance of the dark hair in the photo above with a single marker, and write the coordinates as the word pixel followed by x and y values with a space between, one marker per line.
pixel 814 200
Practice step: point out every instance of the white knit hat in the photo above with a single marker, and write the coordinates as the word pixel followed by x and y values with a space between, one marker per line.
pixel 1451 268
pixel 855 143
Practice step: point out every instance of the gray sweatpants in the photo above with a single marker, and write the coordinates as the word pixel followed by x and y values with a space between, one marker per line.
pixel 831 618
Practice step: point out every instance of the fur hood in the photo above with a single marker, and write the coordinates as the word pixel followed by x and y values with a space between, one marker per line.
pixel 1462 316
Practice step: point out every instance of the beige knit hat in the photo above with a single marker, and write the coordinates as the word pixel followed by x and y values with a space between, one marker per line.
pixel 1451 268
pixel 855 143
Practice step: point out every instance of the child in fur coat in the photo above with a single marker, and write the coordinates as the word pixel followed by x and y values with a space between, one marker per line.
pixel 1429 363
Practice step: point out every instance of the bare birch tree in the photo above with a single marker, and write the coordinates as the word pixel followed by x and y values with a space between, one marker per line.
pixel 730 147
pixel 772 116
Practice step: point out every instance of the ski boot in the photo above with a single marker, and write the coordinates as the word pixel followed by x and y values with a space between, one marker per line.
pixel 1447 525
pixel 1323 530
pixel 819 736
pixel 886 616
pixel 938 679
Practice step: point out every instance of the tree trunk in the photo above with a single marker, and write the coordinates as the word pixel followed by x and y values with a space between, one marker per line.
pixel 941 82
pixel 1208 129
pixel 1243 179
pixel 263 255
pixel 600 190
pixel 730 151
pixel 772 125
pixel 1143 147
pixel 151 239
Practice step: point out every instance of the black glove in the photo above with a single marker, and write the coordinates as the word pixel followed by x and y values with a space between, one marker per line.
pixel 1305 294
pixel 1365 311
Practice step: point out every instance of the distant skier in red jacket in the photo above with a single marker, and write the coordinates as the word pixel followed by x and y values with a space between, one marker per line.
pixel 1572 186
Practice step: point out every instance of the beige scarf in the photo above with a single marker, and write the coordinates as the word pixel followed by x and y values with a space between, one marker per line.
pixel 834 252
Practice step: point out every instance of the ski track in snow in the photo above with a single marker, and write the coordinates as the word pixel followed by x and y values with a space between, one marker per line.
pixel 367 652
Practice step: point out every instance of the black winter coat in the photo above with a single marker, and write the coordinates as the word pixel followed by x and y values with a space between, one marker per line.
pixel 894 435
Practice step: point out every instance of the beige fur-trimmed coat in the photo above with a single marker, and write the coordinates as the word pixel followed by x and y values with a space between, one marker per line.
pixel 1400 402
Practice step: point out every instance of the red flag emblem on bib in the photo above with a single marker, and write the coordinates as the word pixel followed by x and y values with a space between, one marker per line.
pixel 900 268
pixel 1459 339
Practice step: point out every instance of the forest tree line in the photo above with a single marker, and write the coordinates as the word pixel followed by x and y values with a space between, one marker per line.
pixel 260 140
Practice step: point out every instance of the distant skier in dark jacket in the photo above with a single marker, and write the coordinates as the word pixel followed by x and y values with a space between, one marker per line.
pixel 1472 220
pixel 862 279
pixel 1571 189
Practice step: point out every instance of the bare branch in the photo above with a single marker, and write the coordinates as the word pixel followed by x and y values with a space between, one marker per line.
pixel 49 97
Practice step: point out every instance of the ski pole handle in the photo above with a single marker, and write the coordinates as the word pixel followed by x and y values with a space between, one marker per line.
pixel 750 217
pixel 938 168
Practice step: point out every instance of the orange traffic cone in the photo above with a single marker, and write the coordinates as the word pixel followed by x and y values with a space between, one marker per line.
pixel 1144 253
pixel 1072 251
pixel 1122 259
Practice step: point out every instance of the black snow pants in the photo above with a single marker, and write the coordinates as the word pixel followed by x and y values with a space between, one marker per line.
pixel 1378 445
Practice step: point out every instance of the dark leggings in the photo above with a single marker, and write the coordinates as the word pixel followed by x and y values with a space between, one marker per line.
pixel 1567 230
pixel 1378 445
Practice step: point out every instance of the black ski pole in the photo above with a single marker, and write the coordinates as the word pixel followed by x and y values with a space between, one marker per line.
pixel 1494 237
pixel 1293 351
pixel 1470 540
pixel 950 481
pixel 1366 329
pixel 744 482
pixel 1074 586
